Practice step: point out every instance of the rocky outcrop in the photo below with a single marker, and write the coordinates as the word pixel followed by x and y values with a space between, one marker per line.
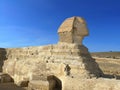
pixel 55 67
pixel 35 63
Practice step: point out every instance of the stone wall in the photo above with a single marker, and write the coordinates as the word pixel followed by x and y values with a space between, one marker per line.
pixel 91 84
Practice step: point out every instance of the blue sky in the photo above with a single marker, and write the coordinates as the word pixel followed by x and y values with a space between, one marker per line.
pixel 35 22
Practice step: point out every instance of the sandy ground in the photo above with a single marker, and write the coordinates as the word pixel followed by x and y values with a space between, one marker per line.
pixel 10 86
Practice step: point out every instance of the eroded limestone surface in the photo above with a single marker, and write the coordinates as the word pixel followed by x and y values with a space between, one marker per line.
pixel 63 66
pixel 36 63
pixel 73 30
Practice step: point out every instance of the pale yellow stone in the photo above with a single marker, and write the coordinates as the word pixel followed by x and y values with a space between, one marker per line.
pixel 64 66
pixel 73 30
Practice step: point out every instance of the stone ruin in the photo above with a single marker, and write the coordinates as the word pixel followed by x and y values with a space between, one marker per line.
pixel 64 66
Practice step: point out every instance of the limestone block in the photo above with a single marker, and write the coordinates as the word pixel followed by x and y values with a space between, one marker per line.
pixel 38 85
pixel 90 84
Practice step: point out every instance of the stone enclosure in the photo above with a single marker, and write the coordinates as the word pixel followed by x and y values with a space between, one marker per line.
pixel 66 65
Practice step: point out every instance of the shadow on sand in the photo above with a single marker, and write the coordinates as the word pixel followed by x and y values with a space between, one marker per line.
pixel 112 76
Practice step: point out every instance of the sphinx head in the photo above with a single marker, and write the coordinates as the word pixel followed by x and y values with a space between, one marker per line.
pixel 73 30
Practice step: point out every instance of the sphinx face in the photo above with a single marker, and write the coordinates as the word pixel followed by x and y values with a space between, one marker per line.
pixel 79 30
pixel 73 30
pixel 80 27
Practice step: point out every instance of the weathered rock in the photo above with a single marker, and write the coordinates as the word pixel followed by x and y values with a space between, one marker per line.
pixel 64 66
pixel 73 30
pixel 5 78
pixel 38 85
pixel 64 59
pixel 91 84
pixel 51 60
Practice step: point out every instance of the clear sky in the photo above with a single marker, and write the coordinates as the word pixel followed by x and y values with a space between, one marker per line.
pixel 35 22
